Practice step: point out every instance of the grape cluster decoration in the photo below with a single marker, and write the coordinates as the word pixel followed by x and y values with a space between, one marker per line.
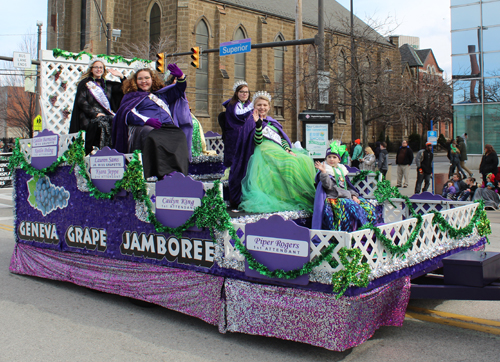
pixel 49 197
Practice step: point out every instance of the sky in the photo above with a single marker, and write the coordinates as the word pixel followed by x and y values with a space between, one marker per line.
pixel 427 19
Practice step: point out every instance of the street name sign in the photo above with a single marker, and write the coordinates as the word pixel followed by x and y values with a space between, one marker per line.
pixel 235 47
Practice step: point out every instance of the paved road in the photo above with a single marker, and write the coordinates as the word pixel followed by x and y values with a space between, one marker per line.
pixel 44 320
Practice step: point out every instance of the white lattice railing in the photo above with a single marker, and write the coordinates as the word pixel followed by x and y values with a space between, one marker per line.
pixel 64 88
pixel 214 142
pixel 431 241
pixel 368 185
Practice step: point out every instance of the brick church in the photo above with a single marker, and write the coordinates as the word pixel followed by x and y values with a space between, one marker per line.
pixel 79 25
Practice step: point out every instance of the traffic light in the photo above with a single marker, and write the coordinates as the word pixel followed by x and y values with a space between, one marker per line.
pixel 160 62
pixel 196 57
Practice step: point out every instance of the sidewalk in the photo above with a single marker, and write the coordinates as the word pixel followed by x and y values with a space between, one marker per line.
pixel 488 310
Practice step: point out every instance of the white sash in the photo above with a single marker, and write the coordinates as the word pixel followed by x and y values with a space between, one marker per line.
pixel 271 134
pixel 161 104
pixel 99 95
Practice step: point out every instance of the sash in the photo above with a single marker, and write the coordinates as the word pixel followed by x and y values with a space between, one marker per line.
pixel 99 95
pixel 160 104
pixel 271 134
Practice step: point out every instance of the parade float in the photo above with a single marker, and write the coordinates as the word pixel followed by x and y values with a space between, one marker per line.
pixel 96 222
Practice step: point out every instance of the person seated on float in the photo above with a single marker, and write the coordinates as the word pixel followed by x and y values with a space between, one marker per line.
pixel 155 120
pixel 266 175
pixel 96 102
pixel 198 142
pixel 338 205
pixel 488 194
pixel 238 110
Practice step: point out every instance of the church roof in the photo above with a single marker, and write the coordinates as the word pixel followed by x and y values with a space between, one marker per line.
pixel 336 16
pixel 409 55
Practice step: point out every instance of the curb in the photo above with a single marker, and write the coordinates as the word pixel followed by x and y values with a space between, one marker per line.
pixel 454 320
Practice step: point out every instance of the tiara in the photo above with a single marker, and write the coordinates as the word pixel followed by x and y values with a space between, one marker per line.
pixel 138 65
pixel 261 94
pixel 238 83
pixel 94 59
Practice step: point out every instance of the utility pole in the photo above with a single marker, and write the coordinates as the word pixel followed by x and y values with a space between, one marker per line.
pixel 108 39
pixel 298 62
pixel 39 24
pixel 321 45
pixel 353 80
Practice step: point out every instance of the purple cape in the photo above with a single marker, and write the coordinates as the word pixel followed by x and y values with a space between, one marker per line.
pixel 244 150
pixel 319 201
pixel 179 107
pixel 234 123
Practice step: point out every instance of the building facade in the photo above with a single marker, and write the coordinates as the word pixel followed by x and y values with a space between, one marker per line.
pixel 77 26
pixel 475 30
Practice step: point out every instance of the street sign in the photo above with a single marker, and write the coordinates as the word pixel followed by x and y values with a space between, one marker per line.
pixel 30 79
pixel 323 86
pixel 22 60
pixel 432 137
pixel 37 123
pixel 235 47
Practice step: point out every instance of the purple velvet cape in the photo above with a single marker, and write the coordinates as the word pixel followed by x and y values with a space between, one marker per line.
pixel 244 150
pixel 319 201
pixel 179 107
pixel 234 123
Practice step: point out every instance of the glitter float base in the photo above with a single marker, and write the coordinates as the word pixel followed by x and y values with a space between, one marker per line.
pixel 303 316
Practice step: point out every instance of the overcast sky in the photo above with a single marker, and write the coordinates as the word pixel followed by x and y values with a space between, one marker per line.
pixel 427 19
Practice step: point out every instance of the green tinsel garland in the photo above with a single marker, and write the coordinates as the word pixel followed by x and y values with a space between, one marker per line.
pixel 362 175
pixel 111 59
pixel 354 273
pixel 196 140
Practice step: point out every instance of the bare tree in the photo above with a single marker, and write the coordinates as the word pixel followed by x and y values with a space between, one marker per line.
pixel 146 50
pixel 363 76
pixel 428 98
pixel 17 107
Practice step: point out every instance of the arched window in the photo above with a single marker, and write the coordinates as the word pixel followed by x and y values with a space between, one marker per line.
pixel 279 65
pixel 202 72
pixel 154 30
pixel 388 71
pixel 239 59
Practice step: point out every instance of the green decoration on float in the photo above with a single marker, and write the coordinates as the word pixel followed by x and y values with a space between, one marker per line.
pixel 110 59
pixel 355 272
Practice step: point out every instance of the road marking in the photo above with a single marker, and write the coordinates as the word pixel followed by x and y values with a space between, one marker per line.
pixel 455 320
pixel 7 228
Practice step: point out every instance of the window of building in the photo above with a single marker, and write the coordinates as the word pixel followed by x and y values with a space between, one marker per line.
pixel 154 30
pixel 279 65
pixel 202 73
pixel 239 59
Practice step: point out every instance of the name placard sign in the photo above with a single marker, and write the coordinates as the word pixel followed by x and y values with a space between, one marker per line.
pixel 107 166
pixel 44 149
pixel 278 244
pixel 176 198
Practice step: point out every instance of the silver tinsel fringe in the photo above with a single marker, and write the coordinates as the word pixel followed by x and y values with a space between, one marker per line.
pixel 207 158
pixel 287 215
pixel 207 177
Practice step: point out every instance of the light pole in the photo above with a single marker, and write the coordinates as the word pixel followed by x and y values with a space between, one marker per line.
pixel 39 24
pixel 353 85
